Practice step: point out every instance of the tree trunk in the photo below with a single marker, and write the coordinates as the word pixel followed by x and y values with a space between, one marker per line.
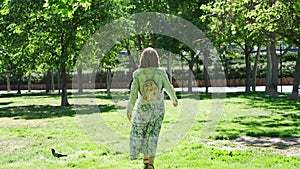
pixel 19 85
pixel 191 68
pixel 108 82
pixel 131 60
pixel 80 87
pixel 274 77
pixel 190 80
pixel 139 42
pixel 48 81
pixel 205 65
pixel 8 81
pixel 206 80
pixel 269 69
pixel 58 81
pixel 52 80
pixel 29 83
pixel 170 67
pixel 255 68
pixel 295 92
pixel 64 96
pixel 248 67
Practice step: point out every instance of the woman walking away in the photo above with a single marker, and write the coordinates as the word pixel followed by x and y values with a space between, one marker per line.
pixel 147 86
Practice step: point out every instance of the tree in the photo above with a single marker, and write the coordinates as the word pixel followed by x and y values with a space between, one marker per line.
pixel 290 29
pixel 109 62
pixel 280 19
pixel 68 24
pixel 229 25
pixel 19 45
pixel 254 72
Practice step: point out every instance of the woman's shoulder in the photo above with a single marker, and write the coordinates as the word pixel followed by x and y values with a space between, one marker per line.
pixel 161 71
pixel 137 72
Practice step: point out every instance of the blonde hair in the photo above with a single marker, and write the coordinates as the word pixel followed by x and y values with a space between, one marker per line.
pixel 149 58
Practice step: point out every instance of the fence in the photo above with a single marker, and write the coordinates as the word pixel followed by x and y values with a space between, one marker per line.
pixel 179 83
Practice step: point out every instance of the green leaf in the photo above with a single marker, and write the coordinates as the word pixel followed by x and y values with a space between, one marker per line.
pixel 65 11
pixel 61 4
pixel 297 6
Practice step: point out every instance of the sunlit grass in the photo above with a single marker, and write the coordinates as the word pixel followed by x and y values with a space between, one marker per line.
pixel 31 125
pixel 259 115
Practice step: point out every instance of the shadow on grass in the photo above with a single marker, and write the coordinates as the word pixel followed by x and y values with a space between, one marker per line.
pixel 91 109
pixel 283 120
pixel 35 112
pixel 262 100
pixel 47 111
pixel 45 94
pixel 101 95
pixel 275 125
pixel 5 103
pixel 278 143
pixel 90 95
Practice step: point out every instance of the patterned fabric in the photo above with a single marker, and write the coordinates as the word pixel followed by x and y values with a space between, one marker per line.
pixel 145 129
pixel 148 117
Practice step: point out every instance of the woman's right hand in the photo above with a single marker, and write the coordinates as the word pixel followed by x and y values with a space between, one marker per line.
pixel 129 117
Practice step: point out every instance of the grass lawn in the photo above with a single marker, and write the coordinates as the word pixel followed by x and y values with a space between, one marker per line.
pixel 255 131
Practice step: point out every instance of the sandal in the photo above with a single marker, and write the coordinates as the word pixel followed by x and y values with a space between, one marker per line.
pixel 150 166
pixel 146 163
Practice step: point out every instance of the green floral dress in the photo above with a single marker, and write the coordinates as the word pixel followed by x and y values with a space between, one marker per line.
pixel 148 117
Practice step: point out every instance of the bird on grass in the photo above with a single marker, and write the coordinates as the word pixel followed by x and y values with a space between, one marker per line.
pixel 56 154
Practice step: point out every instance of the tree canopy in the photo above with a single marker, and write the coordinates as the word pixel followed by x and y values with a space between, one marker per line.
pixel 41 35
